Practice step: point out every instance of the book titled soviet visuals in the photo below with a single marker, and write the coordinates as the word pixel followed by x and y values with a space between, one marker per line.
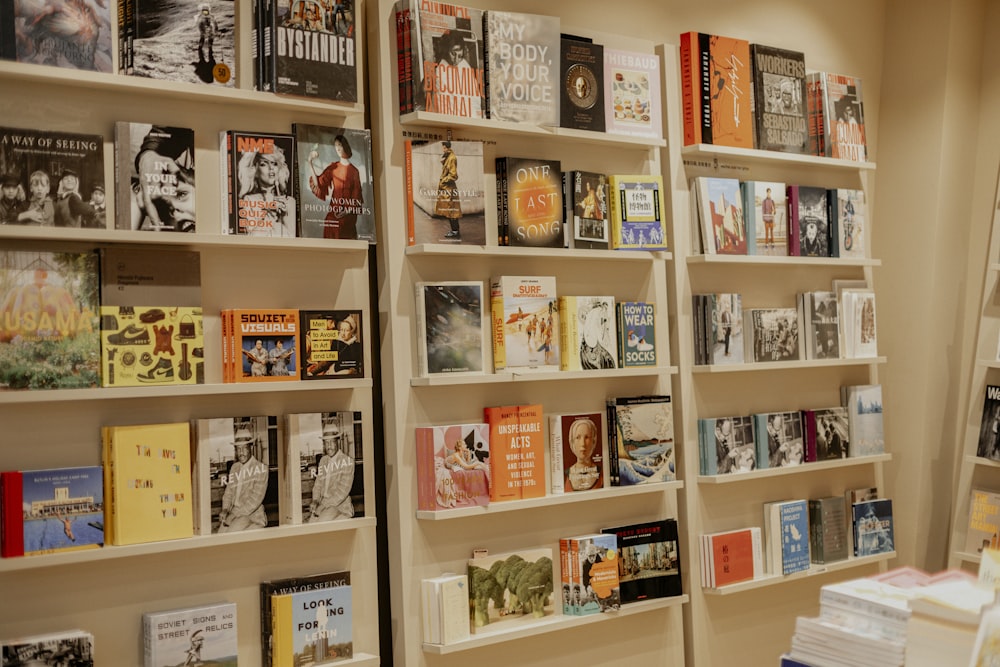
pixel 445 201
pixel 632 93
pixel 316 621
pixel 49 327
pixel 336 191
pixel 522 67
pixel 529 193
pixel 504 602
pixel 264 345
pixel 453 466
pixel 638 219
pixel 154 178
pixel 581 103
pixel 585 195
pixel 451 327
pixel 525 323
pixel 447 59
pixel 780 105
pixel 333 344
pixel 314 50
pixel 206 634
pixel 189 41
pixel 75 35
pixel 257 170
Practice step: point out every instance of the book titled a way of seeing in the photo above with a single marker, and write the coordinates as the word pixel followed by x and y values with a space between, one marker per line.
pixel 257 170
pixel 445 197
pixel 530 203
pixel 154 178
pixel 312 50
pixel 73 35
pixel 69 647
pixel 208 632
pixel 522 67
pixel 451 324
pixel 310 616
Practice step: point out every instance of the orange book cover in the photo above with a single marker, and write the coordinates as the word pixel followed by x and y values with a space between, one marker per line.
pixel 690 57
pixel 504 453
pixel 265 345
pixel 730 86
pixel 732 557
pixel 531 450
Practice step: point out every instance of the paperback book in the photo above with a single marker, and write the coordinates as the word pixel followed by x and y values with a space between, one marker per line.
pixel 873 527
pixel 780 439
pixel 632 93
pixel 333 344
pixel 316 621
pixel 727 445
pixel 497 600
pixel 786 536
pixel 453 466
pixel 983 530
pixel 780 105
pixel 731 557
pixel 576 452
pixel 811 220
pixel 445 604
pixel 205 634
pixel 257 171
pixel 451 328
pixel 588 336
pixel 445 196
pixel 858 323
pixel 636 331
pixel 314 53
pixel 530 202
pixel 828 436
pixel 772 334
pixel 517 452
pixel 447 73
pixel 522 67
pixel 821 319
pixel 640 440
pixel 766 213
pixel 636 212
pixel 154 178
pixel 270 590
pixel 586 199
pixel 525 318
pixel 720 210
pixel 581 100
pixel 649 565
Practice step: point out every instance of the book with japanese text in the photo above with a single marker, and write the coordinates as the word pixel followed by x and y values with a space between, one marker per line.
pixel 636 212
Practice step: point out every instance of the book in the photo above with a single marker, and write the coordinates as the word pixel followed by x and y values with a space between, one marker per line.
pixel 517 452
pixel 724 329
pixel 581 95
pixel 983 531
pixel 447 61
pixel 786 536
pixel 265 345
pixel 236 474
pixel 649 565
pixel 780 439
pixel 451 328
pixel 827 530
pixel 731 557
pixel 632 93
pixel 821 320
pixel 154 178
pixel 765 211
pixel 771 334
pixel 55 34
pixel 445 196
pixel 525 323
pixel 194 46
pixel 147 483
pixel 333 344
pixel 51 511
pixel 453 466
pixel 586 199
pixel 858 323
pixel 587 330
pixel 576 452
pixel 988 446
pixel 522 67
pixel 843 116
pixel 864 418
pixel 720 210
pixel 49 326
pixel 636 332
pixel 811 219
pixel 828 435
pixel 74 647
pixel 269 590
pixel 321 467
pixel 445 608
pixel 531 206
pixel 873 527
pixel 52 179
pixel 727 445
pixel 144 345
pixel 849 217
pixel 257 172
pixel 989 566
pixel 194 634
pixel 780 103
pixel 597 558
pixel 314 53
pixel 987 646
pixel 316 621
pixel 640 440
pixel 336 192
pixel 717 89
pixel 636 212
pixel 510 589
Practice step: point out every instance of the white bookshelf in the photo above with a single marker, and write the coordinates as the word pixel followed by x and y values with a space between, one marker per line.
pixel 814 570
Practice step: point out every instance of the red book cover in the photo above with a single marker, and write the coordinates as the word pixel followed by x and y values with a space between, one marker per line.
pixel 690 56
pixel 733 556
pixel 453 466
pixel 11 515
pixel 794 248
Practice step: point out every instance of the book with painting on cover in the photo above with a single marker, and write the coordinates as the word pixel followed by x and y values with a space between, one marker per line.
pixel 497 599
pixel 147 483
pixel 585 195
pixel 451 328
pixel 530 202
pixel 236 474
pixel 581 99
pixel 827 529
pixel 49 326
pixel 632 93
pixel 636 332
pixel 772 334
pixel 864 417
pixel 75 645
pixel 640 440
pixel 731 557
pixel 780 105
pixel 516 452
pixel 76 36
pixel 445 196
pixel 154 178
pixel 522 67
pixel 989 426
pixel 314 52
pixel 873 527
pixel 588 337
pixel 264 345
pixel 447 60
pixel 765 211
pixel 316 622
pixel 636 212
pixel 649 565
pixel 256 168
pixel 983 530
pixel 780 439
pixel 720 210
pixel 208 633
pixel 336 192
pixel 849 222
pixel 51 511
pixel 726 445
pixel 576 452
pixel 453 466
pixel 525 317
pixel 333 344
pixel 321 466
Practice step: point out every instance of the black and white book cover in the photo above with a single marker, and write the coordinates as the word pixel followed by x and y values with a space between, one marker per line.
pixel 261 190
pixel 71 647
pixel 774 334
pixel 522 67
pixel 185 40
pixel 76 35
pixel 315 53
pixel 581 103
pixel 154 178
pixel 822 322
pixel 204 635
pixel 814 223
pixel 780 99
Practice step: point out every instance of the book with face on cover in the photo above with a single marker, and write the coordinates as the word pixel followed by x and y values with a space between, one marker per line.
pixel 333 344
pixel 314 50
pixel 576 452
pixel 154 178
pixel 256 168
pixel 453 466
pixel 447 60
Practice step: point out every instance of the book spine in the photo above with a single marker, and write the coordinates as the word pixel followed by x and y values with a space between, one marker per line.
pixel 11 516
pixel 556 458
pixel 690 92
pixel 496 311
pixel 408 166
pixel 255 42
pixel 565 576
pixel 809 422
pixel 794 248
pixel 705 86
pixel 401 81
pixel 569 358
pixel 486 66
pixel 615 212
pixel 614 476
pixel 426 477
pixel 420 316
pixel 621 340
pixel 503 204
pixel 576 579
pixel 110 490
pixel 269 65
pixel 833 243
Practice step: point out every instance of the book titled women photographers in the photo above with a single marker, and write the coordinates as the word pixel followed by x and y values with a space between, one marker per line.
pixel 257 170
pixel 581 103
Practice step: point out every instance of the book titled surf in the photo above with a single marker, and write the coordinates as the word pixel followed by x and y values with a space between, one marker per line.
pixel 257 170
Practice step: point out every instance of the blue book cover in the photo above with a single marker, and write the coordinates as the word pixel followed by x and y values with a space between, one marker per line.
pixel 62 509
pixel 794 517
pixel 636 333
pixel 873 527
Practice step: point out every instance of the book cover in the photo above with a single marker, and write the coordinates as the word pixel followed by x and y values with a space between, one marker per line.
pixel 313 626
pixel 821 317
pixel 277 587
pixel 52 179
pixel 814 114
pixel 335 183
pixel 773 334
pixel 641 440
pixel 720 210
pixel 510 589
pixel 49 326
pixel 258 177
pixel 517 452
pixel 51 511
pixel 828 436
pixel 453 466
pixel 780 439
pixel 448 63
pixel 864 416
pixel 525 318
pixel 154 178
pixel 734 451
pixel 983 530
pixel 813 222
pixel 873 527
pixel 729 91
pixel 695 113
pixel 77 35
pixel 636 212
pixel 649 565
pixel 450 328
pixel 636 333
pixel 632 93
pixel 732 557
pixel 987 647
pixel 586 200
pixel 827 530
pixel 788 538
pixel 725 326
pixel 843 117
pixel 577 452
pixel 581 100
pixel 314 51
pixel 144 345
pixel 265 345
pixel 587 333
pixel 71 647
pixel 766 213
pixel 195 635
pixel 532 203
pixel 446 609
pixel 236 474
pixel 852 221
pixel 597 559
pixel 333 344
pixel 193 42
pixel 445 195
pixel 522 67
pixel 321 468
pixel 780 106
pixel 147 483
pixel 859 323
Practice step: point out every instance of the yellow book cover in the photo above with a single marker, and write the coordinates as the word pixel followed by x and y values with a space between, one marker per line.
pixel 569 334
pixel 149 466
pixel 281 630
pixel 145 345
pixel 109 492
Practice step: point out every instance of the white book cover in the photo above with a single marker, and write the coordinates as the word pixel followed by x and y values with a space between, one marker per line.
pixel 588 332
pixel 864 418
pixel 525 313
pixel 204 635
pixel 852 222
pixel 446 609
pixel 766 212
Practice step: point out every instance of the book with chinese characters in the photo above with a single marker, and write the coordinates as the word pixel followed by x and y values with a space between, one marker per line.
pixel 636 212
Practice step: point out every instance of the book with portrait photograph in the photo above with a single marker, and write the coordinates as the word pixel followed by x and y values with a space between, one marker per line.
pixel 828 434
pixel 720 211
pixel 445 196
pixel 771 334
pixel 780 104
pixel 333 344
pixel 206 634
pixel 632 93
pixel 498 603
pixel 522 67
pixel 154 178
pixel 593 565
pixel 581 103
pixel 765 211
pixel 588 333
pixel 649 561
pixel 451 324
pixel 447 60
pixel 843 119
pixel 453 466
pixel 727 445
pixel 314 52
pixel 585 195
pixel 257 170
pixel 576 450
pixel 335 184
pixel 525 318
pixel 640 440
pixel 781 439
pixel 810 221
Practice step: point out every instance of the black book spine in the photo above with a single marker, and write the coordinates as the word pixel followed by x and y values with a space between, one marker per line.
pixel 705 89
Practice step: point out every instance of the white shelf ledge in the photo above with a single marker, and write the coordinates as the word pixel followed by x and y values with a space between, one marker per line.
pixel 436 249
pixel 774 579
pixel 361 660
pixel 786 365
pixel 767 260
pixel 726 154
pixel 989 363
pixel 446 379
pixel 485 637
pixel 813 466
pixel 967 557
pixel 549 501
pixel 981 461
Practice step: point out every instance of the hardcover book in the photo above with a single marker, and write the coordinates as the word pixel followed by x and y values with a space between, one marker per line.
pixel 636 211
pixel 858 326
pixel 517 452
pixel 989 426
pixel 772 335
pixel 983 531
pixel 649 565
pixel 257 170
pixel 77 36
pixel 314 51
pixel 522 67
pixel 581 100
pixel 724 327
pixel 447 60
pixel 525 318
pixel 636 331
pixel 864 417
pixel 873 527
pixel 780 105
pixel 720 210
pixel 269 590
pixel 640 440
pixel 843 117
pixel 727 445
pixel 445 196
pixel 531 203
pixel 588 337
pixel 446 608
pixel 265 345
pixel 820 315
pixel 147 483
pixel 51 511
pixel 827 530
pixel 731 557
pixel 49 327
pixel 812 222
pixel 828 436
pixel 52 179
pixel 451 328
pixel 75 645
pixel 144 345
pixel 333 344
pixel 596 559
pixel 316 622
pixel 196 45
pixel 766 214
pixel 780 438
pixel 335 184
pixel 576 452
pixel 632 93
pixel 786 528
pixel 321 468
pixel 453 466
pixel 717 85
pixel 205 634
pixel 586 200
pixel 510 589
pixel 154 178
pixel 849 221
pixel 236 474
